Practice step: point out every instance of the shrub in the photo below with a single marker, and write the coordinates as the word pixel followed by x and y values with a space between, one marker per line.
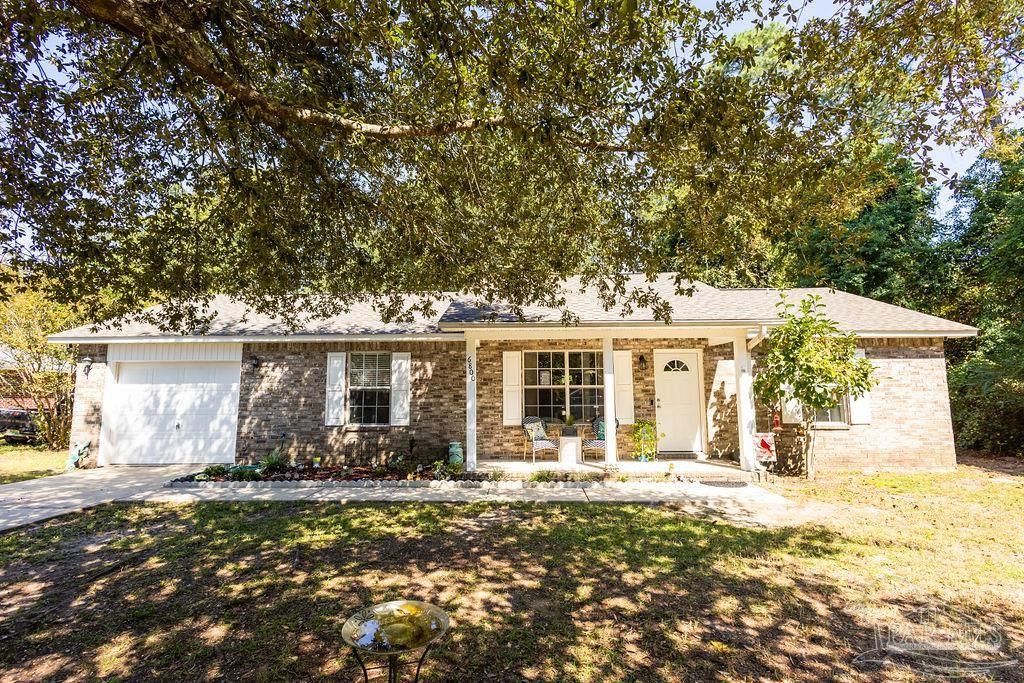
pixel 645 439
pixel 444 471
pixel 544 476
pixel 244 473
pixel 274 463
pixel 215 471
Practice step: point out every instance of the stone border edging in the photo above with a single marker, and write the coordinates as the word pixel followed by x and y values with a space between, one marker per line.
pixel 511 485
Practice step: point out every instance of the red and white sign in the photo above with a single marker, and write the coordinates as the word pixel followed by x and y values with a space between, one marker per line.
pixel 764 446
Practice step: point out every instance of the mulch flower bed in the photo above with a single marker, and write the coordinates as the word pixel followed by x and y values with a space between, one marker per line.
pixel 358 473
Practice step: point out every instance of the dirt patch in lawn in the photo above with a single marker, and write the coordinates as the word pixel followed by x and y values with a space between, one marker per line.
pixel 1012 465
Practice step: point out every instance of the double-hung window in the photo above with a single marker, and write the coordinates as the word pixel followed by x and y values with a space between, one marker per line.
pixel 369 388
pixel 837 415
pixel 556 383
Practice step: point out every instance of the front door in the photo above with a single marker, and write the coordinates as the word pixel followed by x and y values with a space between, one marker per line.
pixel 677 401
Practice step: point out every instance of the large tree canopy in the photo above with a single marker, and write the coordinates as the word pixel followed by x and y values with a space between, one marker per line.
pixel 165 150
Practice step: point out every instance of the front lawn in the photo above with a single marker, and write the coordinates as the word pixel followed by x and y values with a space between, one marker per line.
pixel 18 463
pixel 537 592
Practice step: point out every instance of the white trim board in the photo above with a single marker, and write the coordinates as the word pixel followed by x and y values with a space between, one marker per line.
pixel 256 338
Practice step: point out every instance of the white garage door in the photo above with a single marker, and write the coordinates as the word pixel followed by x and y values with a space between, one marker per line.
pixel 164 413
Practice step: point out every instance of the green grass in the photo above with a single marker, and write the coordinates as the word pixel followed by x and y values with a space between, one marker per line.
pixel 18 463
pixel 566 592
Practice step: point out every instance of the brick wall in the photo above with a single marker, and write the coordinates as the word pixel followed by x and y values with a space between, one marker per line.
pixel 88 401
pixel 282 403
pixel 495 440
pixel 911 426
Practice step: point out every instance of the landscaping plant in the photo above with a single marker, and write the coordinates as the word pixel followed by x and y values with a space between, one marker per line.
pixel 645 440
pixel 274 463
pixel 808 359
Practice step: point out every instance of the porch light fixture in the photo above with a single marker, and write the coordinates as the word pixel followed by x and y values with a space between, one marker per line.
pixel 642 362
pixel 253 362
pixel 87 365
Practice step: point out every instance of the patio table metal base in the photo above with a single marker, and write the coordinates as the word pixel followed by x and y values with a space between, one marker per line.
pixel 393 666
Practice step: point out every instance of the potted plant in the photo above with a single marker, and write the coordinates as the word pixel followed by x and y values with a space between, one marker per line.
pixel 569 422
pixel 645 440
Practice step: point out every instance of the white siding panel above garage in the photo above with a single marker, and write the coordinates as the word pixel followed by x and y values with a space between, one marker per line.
pixel 174 351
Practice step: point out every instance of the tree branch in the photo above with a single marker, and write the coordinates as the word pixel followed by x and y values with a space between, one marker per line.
pixel 177 41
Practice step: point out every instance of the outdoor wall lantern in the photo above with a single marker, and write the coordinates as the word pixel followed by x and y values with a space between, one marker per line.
pixel 86 365
pixel 253 362
pixel 642 363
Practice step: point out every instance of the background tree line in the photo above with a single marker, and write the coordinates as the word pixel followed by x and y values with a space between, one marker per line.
pixel 967 266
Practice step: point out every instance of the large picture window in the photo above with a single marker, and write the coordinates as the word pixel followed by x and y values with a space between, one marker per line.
pixel 369 388
pixel 559 382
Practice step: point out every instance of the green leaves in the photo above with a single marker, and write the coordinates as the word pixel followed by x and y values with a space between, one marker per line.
pixel 810 360
pixel 375 148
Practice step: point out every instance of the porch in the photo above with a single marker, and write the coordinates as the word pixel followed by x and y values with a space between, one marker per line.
pixel 693 382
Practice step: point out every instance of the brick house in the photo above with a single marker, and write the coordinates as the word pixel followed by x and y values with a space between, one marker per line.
pixel 351 388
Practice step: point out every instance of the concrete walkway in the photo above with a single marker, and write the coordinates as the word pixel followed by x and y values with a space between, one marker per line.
pixel 34 500
pixel 745 504
pixel 40 499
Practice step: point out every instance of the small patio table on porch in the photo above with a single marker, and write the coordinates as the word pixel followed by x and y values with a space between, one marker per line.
pixel 570 449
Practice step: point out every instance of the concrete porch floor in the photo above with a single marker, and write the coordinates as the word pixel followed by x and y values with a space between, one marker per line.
pixel 689 469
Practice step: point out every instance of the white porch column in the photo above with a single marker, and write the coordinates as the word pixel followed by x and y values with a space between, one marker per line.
pixel 470 404
pixel 745 402
pixel 610 444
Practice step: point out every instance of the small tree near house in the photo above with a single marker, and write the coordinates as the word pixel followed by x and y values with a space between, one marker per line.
pixel 38 374
pixel 809 360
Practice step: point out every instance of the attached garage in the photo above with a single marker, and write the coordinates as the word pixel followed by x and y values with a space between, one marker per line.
pixel 170 404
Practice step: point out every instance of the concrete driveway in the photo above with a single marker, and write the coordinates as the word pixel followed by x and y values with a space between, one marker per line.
pixel 37 499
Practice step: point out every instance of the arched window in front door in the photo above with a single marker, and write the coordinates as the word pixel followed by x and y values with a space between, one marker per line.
pixel 675 366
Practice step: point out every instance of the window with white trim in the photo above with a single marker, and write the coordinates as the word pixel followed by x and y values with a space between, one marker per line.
pixel 836 415
pixel 560 382
pixel 369 388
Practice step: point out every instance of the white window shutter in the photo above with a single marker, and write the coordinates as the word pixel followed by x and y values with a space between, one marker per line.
pixel 623 386
pixel 792 411
pixel 400 385
pixel 512 388
pixel 860 406
pixel 334 413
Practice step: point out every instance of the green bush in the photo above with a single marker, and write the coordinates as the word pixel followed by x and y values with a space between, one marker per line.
pixel 274 463
pixel 645 440
pixel 987 396
pixel 215 471
pixel 443 471
pixel 244 473
pixel 545 476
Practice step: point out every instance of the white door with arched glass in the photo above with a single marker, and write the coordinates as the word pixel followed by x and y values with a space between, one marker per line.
pixel 677 401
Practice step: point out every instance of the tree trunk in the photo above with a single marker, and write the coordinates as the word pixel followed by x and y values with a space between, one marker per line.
pixel 810 427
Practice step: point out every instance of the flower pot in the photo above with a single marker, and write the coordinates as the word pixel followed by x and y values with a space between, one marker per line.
pixel 570 431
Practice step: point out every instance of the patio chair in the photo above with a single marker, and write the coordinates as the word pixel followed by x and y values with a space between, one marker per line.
pixel 537 439
pixel 599 442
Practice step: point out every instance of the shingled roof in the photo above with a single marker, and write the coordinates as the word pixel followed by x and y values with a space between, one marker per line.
pixel 231 318
pixel 707 306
